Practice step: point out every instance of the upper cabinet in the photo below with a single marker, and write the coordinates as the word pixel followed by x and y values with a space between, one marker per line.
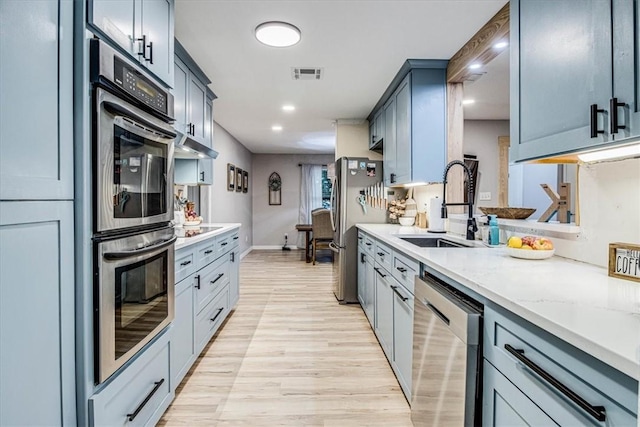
pixel 36 88
pixel 377 131
pixel 143 28
pixel 573 86
pixel 414 112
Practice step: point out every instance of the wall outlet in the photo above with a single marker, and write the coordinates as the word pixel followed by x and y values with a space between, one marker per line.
pixel 485 195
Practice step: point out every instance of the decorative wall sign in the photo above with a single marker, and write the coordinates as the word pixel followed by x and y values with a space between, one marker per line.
pixel 245 181
pixel 275 188
pixel 624 261
pixel 231 177
pixel 238 179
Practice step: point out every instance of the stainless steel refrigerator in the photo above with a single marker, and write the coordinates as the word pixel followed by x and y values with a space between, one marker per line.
pixel 357 180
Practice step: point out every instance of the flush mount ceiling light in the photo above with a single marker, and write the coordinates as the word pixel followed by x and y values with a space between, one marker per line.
pixel 468 101
pixel 276 128
pixel 475 66
pixel 277 34
pixel 288 108
pixel 500 45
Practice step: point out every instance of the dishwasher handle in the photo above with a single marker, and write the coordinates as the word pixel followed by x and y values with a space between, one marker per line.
pixel 437 312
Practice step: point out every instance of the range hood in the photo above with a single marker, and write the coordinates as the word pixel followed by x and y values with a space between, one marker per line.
pixel 189 147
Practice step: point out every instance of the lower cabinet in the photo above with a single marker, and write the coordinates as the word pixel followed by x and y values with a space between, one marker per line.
pixel 505 405
pixel 403 336
pixel 37 349
pixel 366 284
pixel 207 288
pixel 140 394
pixel 384 311
pixel 556 383
pixel 183 352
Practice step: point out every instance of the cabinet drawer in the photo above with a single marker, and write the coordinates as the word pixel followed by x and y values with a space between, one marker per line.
pixel 139 394
pixel 209 281
pixel 383 256
pixel 361 237
pixel 404 269
pixel 369 245
pixel 223 244
pixel 185 263
pixel 234 238
pixel 595 382
pixel 211 317
pixel 206 252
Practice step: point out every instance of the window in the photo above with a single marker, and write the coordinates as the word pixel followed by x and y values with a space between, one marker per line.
pixel 326 188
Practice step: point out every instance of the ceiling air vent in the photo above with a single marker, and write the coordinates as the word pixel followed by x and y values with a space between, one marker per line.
pixel 306 73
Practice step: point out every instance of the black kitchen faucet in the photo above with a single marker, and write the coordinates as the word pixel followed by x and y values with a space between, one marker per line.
pixel 471 221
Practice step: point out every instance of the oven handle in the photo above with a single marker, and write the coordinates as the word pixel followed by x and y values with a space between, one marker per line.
pixel 111 256
pixel 114 108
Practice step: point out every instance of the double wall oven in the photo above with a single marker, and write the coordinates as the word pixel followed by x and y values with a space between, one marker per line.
pixel 133 240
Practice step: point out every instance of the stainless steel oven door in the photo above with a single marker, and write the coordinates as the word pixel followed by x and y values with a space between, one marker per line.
pixel 135 295
pixel 133 166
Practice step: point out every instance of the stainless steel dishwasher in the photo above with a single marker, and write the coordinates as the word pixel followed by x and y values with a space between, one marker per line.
pixel 447 383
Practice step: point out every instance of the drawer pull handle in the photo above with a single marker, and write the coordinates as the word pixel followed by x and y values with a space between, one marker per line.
pixel 236 238
pixel 380 253
pixel 597 412
pixel 594 110
pixel 401 269
pixel 217 278
pixel 378 271
pixel 224 243
pixel 213 319
pixel 368 244
pixel 613 106
pixel 207 252
pixel 233 257
pixel 197 281
pixel 182 264
pixel 402 297
pixel 362 258
pixel 146 400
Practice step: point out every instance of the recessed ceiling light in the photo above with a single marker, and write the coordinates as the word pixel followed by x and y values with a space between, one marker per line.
pixel 501 45
pixel 276 128
pixel 468 101
pixel 475 66
pixel 277 34
pixel 288 107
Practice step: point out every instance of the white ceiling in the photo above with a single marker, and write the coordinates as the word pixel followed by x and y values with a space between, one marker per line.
pixel 360 44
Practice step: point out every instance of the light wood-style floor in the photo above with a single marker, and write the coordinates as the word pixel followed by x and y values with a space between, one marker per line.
pixel 290 355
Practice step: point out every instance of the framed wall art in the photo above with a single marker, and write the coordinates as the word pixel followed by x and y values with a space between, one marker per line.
pixel 231 177
pixel 275 187
pixel 245 181
pixel 238 179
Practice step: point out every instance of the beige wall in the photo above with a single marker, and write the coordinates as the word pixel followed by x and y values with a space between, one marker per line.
pixel 481 139
pixel 270 223
pixel 352 140
pixel 220 205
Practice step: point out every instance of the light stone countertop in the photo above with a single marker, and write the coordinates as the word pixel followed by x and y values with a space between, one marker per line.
pixel 575 301
pixel 183 242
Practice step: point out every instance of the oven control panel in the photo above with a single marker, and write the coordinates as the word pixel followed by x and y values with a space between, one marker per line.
pixel 139 86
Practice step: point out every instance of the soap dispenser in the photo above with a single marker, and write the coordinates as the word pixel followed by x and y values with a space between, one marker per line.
pixel 494 231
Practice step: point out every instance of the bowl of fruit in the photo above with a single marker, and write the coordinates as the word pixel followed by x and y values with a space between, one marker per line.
pixel 530 247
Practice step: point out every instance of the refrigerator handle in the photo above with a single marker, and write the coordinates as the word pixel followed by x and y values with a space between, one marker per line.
pixel 333 204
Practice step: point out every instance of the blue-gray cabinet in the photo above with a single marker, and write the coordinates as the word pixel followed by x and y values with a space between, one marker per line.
pixel 384 310
pixel 414 111
pixel 572 85
pixel 193 171
pixel 36 106
pixel 142 28
pixel 377 130
pixel 37 351
pixel 535 361
pixel 207 289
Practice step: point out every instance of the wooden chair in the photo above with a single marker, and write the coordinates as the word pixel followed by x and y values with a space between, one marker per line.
pixel 322 231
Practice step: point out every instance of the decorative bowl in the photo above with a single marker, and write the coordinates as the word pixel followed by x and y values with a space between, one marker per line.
pixel 529 254
pixel 406 220
pixel 192 223
pixel 509 213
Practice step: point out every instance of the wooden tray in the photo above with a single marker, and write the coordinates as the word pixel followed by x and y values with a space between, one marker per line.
pixel 510 213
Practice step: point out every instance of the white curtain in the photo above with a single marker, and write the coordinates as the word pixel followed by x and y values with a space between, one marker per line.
pixel 310 195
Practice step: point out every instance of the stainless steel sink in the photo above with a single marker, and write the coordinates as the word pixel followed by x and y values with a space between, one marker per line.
pixel 433 242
